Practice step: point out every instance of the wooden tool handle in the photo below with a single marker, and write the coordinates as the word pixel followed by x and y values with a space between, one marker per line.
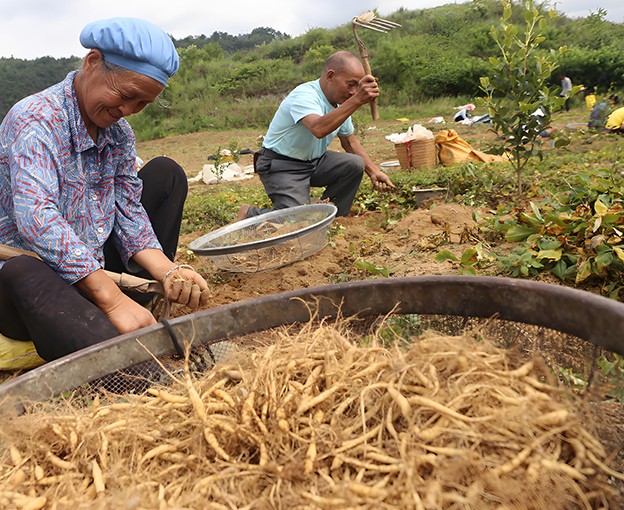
pixel 367 70
pixel 124 281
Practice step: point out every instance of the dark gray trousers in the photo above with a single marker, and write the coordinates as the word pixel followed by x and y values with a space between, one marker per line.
pixel 288 181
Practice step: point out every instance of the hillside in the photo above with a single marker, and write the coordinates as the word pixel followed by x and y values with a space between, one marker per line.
pixel 231 82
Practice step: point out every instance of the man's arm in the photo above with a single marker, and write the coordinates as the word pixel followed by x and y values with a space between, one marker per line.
pixel 322 125
pixel 380 181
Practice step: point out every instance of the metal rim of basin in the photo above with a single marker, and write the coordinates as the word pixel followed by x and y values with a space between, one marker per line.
pixel 594 318
pixel 203 245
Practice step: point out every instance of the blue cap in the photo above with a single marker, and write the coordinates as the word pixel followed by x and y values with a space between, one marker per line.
pixel 133 44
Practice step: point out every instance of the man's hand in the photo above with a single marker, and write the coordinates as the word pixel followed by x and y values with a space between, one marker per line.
pixel 367 90
pixel 381 182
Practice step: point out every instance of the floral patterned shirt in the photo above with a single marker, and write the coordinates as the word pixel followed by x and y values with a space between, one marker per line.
pixel 63 195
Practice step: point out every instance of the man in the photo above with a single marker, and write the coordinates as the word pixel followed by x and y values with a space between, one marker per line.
pixel 294 156
pixel 566 89
pixel 69 191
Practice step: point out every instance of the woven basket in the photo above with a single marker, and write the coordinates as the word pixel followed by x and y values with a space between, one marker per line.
pixel 417 154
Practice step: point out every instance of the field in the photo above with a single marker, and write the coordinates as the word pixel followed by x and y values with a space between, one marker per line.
pixel 396 240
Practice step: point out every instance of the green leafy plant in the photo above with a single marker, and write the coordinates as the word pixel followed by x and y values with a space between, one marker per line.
pixel 517 96
pixel 211 207
pixel 372 269
pixel 610 377
pixel 612 368
pixel 572 242
pixel 397 330
pixel 221 159
pixel 521 261
pixel 468 262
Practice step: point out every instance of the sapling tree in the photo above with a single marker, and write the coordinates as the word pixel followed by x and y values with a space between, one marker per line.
pixel 517 94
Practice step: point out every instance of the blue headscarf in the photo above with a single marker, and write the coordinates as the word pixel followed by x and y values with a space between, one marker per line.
pixel 133 44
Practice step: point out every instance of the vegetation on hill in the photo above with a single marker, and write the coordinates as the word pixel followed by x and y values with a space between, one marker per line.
pixel 20 78
pixel 230 81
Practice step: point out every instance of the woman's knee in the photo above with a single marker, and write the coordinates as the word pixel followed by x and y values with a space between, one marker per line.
pixel 163 167
pixel 163 177
pixel 20 271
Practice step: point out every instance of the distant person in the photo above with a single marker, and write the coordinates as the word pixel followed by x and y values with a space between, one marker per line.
pixel 615 121
pixel 590 98
pixel 600 112
pixel 566 90
pixel 294 155
pixel 70 192
pixel 463 112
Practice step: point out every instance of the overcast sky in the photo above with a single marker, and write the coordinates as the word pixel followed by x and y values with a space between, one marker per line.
pixel 37 28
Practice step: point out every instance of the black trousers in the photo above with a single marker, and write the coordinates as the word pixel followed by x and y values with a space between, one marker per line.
pixel 36 304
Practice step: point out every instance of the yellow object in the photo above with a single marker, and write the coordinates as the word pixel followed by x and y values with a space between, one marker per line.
pixel 590 101
pixel 17 355
pixel 453 149
pixel 616 119
pixel 403 119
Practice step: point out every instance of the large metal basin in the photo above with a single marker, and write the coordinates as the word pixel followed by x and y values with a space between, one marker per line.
pixel 590 317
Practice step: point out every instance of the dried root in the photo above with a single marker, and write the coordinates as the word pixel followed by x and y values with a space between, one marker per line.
pixel 315 421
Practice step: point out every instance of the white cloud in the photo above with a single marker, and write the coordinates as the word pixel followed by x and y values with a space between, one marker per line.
pixel 37 28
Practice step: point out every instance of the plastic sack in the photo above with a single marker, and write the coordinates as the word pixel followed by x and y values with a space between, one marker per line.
pixel 415 132
pixel 454 149
pixel 18 355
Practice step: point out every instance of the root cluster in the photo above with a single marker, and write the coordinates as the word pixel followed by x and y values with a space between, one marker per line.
pixel 316 420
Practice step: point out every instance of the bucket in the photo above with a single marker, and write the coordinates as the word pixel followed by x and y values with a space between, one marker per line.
pixel 417 154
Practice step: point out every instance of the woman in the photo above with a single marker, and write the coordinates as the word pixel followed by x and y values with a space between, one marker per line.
pixel 70 192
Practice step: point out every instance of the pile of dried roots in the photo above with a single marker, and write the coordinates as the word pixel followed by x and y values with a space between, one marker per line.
pixel 316 420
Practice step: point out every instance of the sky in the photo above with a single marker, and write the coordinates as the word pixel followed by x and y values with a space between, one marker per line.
pixel 37 28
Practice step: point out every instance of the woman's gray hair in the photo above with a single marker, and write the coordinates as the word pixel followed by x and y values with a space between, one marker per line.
pixel 109 66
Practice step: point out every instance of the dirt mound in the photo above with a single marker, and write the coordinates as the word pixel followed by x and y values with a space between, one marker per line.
pixel 402 248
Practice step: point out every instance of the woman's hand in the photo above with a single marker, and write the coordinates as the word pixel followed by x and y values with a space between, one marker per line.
pixel 180 281
pixel 184 286
pixel 127 315
pixel 122 311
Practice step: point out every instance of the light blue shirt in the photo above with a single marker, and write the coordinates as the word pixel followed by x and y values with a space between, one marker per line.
pixel 288 137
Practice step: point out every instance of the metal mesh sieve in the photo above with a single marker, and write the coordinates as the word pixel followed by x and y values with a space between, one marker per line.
pixel 501 303
pixel 268 241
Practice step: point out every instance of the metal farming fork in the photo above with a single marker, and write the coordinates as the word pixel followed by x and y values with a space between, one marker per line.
pixel 372 22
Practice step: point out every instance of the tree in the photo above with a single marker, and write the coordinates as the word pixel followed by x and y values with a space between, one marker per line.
pixel 518 98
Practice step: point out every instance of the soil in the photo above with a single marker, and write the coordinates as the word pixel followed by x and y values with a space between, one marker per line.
pixel 405 249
